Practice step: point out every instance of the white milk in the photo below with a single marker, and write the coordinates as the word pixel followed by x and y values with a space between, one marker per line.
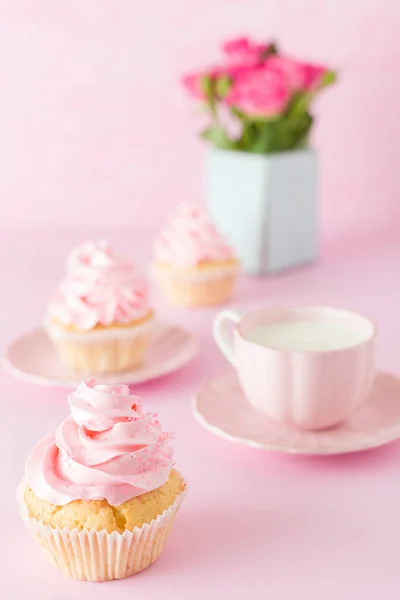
pixel 307 335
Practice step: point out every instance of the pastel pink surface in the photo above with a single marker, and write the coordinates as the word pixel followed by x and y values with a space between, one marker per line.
pixel 254 522
pixel 221 406
pixel 33 357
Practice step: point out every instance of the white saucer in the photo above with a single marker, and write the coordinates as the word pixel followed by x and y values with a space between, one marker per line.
pixel 33 357
pixel 221 407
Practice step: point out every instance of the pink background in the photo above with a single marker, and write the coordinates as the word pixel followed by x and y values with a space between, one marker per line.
pixel 92 119
pixel 95 134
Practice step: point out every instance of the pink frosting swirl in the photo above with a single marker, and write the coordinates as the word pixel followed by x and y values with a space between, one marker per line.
pixel 100 288
pixel 107 448
pixel 190 239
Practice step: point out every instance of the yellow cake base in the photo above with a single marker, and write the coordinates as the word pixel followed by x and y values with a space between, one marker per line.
pixel 99 514
pixel 93 541
pixel 205 285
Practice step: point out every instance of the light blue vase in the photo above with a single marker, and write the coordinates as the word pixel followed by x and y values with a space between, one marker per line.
pixel 266 204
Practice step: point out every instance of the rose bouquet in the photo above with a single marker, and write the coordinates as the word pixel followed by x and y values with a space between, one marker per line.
pixel 258 100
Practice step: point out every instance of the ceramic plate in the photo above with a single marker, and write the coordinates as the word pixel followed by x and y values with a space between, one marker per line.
pixel 221 407
pixel 34 358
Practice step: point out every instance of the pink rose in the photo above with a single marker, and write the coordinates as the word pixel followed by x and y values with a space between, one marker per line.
pixel 260 92
pixel 193 82
pixel 243 52
pixel 301 76
pixel 311 76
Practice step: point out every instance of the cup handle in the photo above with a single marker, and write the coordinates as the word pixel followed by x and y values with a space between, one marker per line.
pixel 222 337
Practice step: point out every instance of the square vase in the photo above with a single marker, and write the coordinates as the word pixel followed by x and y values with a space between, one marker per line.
pixel 266 205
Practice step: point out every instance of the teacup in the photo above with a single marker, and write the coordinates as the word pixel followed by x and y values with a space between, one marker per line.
pixel 307 366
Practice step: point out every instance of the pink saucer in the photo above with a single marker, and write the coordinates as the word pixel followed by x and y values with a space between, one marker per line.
pixel 32 357
pixel 221 407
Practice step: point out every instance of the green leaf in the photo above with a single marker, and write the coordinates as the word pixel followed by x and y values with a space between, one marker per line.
pixel 264 119
pixel 264 138
pixel 218 137
pixel 303 135
pixel 298 105
pixel 222 86
pixel 328 78
pixel 247 137
pixel 294 132
pixel 239 114
pixel 206 85
pixel 285 133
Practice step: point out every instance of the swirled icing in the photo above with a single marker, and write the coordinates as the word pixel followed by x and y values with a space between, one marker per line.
pixel 107 448
pixel 191 239
pixel 99 288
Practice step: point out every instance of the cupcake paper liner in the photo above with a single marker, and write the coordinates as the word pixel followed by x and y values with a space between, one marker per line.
pixel 103 351
pixel 98 555
pixel 205 288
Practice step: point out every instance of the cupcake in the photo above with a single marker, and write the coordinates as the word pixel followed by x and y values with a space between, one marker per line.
pixel 193 264
pixel 99 318
pixel 100 494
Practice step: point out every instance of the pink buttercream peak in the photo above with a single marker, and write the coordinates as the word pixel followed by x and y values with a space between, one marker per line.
pixel 99 288
pixel 107 448
pixel 190 238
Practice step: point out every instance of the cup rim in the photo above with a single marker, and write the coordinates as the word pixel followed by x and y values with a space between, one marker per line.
pixel 310 307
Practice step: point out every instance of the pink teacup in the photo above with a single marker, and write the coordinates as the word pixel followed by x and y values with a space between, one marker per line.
pixel 307 366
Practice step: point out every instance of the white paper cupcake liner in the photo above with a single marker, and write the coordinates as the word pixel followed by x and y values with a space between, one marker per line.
pixel 98 555
pixel 205 287
pixel 107 350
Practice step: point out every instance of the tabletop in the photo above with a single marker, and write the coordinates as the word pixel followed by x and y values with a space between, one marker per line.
pixel 254 522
